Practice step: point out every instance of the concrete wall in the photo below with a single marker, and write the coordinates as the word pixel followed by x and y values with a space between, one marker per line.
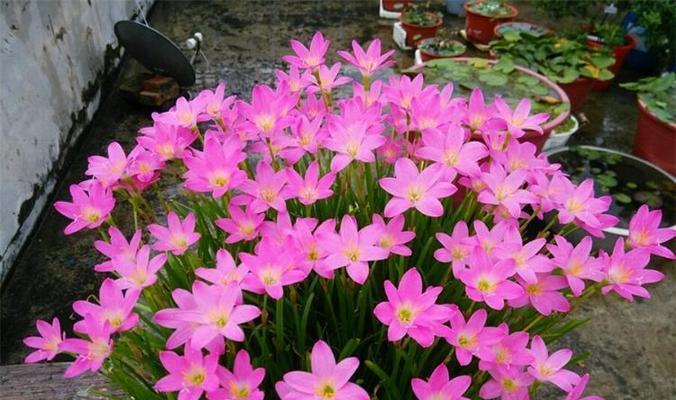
pixel 54 56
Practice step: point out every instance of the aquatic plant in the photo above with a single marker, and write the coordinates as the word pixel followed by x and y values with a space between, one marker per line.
pixel 340 248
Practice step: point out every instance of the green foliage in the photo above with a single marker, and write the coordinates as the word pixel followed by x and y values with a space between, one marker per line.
pixel 490 8
pixel 443 47
pixel 658 94
pixel 610 34
pixel 500 78
pixel 560 59
pixel 658 17
pixel 420 15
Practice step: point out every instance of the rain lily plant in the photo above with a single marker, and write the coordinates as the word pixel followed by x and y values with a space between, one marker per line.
pixel 396 243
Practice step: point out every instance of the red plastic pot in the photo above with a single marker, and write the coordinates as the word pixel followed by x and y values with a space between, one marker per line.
pixel 620 53
pixel 426 56
pixel 481 28
pixel 577 91
pixel 655 140
pixel 415 33
pixel 395 5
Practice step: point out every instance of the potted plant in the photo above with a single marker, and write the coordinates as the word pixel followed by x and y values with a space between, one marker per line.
pixel 652 21
pixel 562 133
pixel 611 36
pixel 521 27
pixel 507 80
pixel 395 5
pixel 571 64
pixel 419 22
pixel 631 181
pixel 655 138
pixel 483 16
pixel 434 48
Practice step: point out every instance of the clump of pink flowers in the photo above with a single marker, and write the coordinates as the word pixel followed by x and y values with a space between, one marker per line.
pixel 398 242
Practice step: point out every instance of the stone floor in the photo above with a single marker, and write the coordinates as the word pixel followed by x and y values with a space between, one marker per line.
pixel 632 346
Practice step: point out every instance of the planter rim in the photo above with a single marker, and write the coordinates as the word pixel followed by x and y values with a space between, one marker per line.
pixel 614 230
pixel 562 95
pixel 575 128
pixel 642 105
pixel 464 48
pixel 438 24
pixel 498 34
pixel 514 10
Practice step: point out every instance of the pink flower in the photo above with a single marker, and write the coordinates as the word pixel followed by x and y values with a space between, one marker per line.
pixel 391 150
pixel 410 311
pixel 226 271
pixel 368 61
pixel 215 169
pixel 509 351
pixel 242 225
pixel 143 165
pixel 575 262
pixel 503 189
pixel 114 308
pixel 90 353
pixel 328 78
pixel 576 392
pixel 109 170
pixel 214 102
pixel 215 314
pixel 478 114
pixel 178 236
pixel 310 188
pixel 507 383
pixel 391 236
pixel 309 58
pixel 518 121
pixel 165 140
pixel 577 203
pixel 451 151
pixel 440 386
pixel 190 375
pixel 546 368
pixel 455 249
pixel 48 344
pixel 626 273
pixel 488 282
pixel 89 209
pixel 488 240
pixel 308 244
pixel 294 80
pixel 141 272
pixel 351 248
pixel 271 268
pixel 184 113
pixel 118 248
pixel 526 257
pixel 543 294
pixel 352 143
pixel 267 111
pixel 468 338
pixel 306 136
pixel 267 191
pixel 328 379
pixel 242 383
pixel 420 190
pixel 401 90
pixel 645 232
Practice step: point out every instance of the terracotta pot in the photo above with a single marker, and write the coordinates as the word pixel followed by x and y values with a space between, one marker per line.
pixel 655 140
pixel 481 28
pixel 620 53
pixel 395 5
pixel 415 33
pixel 426 56
pixel 577 91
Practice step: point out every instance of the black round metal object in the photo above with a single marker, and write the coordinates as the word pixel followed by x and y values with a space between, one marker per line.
pixel 155 51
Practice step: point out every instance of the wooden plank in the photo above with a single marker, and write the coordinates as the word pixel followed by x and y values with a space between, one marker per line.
pixel 46 381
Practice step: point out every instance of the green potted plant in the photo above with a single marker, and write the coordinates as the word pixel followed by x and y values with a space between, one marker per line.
pixel 612 36
pixel 420 22
pixel 483 16
pixel 655 138
pixel 437 47
pixel 569 63
pixel 562 133
pixel 653 23
pixel 521 27
pixel 505 79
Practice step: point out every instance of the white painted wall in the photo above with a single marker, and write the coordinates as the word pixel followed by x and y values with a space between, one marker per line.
pixel 52 58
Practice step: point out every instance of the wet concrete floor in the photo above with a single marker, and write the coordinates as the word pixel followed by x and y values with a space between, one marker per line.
pixel 632 346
